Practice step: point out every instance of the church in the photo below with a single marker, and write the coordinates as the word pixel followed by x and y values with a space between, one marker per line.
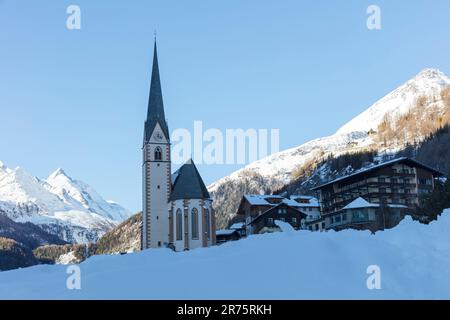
pixel 177 208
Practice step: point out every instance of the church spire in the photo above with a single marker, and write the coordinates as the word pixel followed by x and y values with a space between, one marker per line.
pixel 155 113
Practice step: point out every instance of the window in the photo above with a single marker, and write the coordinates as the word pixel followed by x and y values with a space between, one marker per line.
pixel 294 220
pixel 158 154
pixel 406 181
pixel 179 224
pixel 344 217
pixel 360 215
pixel 270 221
pixel 323 225
pixel 394 180
pixel 317 227
pixel 381 179
pixel 208 224
pixel 282 211
pixel 382 190
pixel 194 223
pixel 407 191
pixel 282 219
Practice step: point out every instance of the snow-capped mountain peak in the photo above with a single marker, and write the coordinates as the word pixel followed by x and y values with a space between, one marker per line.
pixel 80 195
pixel 427 83
pixel 61 205
pixel 58 172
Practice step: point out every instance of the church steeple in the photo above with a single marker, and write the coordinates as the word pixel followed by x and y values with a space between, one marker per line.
pixel 155 112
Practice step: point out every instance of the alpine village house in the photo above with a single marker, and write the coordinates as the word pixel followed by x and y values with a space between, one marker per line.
pixel 177 208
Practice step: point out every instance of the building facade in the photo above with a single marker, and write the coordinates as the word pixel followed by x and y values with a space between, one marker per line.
pixel 260 211
pixel 166 196
pixel 388 190
pixel 266 222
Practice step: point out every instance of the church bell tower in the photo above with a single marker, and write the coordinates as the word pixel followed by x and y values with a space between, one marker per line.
pixel 156 168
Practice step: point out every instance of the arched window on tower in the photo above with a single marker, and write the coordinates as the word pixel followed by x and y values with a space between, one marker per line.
pixel 158 154
pixel 194 223
pixel 179 225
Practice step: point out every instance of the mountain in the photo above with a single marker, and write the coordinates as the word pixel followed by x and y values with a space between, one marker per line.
pixel 406 115
pixel 27 234
pixel 60 205
pixel 428 83
pixel 14 254
pixel 74 192
pixel 126 237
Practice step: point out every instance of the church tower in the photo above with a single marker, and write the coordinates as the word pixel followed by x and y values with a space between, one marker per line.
pixel 156 168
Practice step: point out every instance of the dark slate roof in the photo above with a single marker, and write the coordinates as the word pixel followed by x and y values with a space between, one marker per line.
pixel 188 184
pixel 406 160
pixel 155 112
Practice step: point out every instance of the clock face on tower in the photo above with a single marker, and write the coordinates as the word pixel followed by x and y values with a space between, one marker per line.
pixel 158 136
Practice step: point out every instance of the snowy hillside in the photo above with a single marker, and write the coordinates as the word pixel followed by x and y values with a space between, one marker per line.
pixel 300 265
pixel 61 205
pixel 428 83
pixel 276 170
pixel 353 135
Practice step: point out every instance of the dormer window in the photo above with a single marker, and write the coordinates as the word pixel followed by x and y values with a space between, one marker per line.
pixel 158 154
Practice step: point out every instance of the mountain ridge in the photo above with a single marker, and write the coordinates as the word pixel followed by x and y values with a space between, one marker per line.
pixel 60 205
pixel 359 134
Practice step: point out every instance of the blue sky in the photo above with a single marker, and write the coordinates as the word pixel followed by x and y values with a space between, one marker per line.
pixel 77 99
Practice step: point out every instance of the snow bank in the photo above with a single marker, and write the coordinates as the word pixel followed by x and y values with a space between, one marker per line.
pixel 414 260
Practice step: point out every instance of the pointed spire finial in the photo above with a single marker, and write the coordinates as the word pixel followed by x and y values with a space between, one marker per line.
pixel 154 35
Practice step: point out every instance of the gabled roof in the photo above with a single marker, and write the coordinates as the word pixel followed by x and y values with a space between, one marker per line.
pixel 188 183
pixel 406 160
pixel 155 111
pixel 312 201
pixel 360 203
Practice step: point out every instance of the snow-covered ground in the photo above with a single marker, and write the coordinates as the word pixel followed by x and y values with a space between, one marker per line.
pixel 414 261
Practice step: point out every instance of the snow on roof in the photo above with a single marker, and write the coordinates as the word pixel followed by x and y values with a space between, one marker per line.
pixel 291 203
pixel 237 225
pixel 224 232
pixel 360 203
pixel 397 206
pixel 312 201
pixel 260 199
